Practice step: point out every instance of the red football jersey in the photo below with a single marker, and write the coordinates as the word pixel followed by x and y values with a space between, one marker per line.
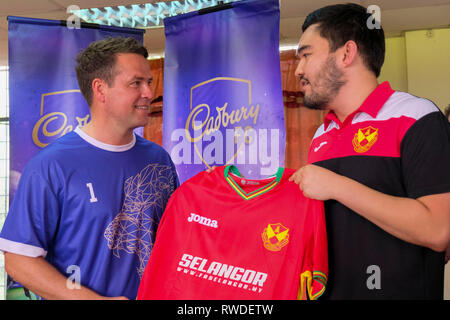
pixel 226 237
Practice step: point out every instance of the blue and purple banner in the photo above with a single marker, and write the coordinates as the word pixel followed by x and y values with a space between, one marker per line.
pixel 223 100
pixel 45 100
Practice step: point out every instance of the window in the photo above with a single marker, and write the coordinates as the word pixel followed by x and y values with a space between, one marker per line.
pixel 4 164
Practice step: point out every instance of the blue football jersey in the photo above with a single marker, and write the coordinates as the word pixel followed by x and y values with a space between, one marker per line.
pixel 92 209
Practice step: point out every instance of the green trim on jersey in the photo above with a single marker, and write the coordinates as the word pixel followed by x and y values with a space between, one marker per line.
pixel 253 194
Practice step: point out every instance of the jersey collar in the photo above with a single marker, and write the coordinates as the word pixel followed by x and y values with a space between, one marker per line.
pixel 105 146
pixel 247 196
pixel 371 105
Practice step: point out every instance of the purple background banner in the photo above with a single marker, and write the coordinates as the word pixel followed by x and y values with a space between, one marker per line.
pixel 223 100
pixel 45 100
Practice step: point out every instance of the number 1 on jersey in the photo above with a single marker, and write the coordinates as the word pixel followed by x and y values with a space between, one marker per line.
pixel 91 190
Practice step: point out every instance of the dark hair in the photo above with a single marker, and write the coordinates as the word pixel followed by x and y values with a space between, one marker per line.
pixel 447 111
pixel 343 22
pixel 98 61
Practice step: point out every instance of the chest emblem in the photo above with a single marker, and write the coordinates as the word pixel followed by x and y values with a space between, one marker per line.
pixel 364 139
pixel 275 237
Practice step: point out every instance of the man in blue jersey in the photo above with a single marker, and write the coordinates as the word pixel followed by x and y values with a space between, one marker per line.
pixel 83 221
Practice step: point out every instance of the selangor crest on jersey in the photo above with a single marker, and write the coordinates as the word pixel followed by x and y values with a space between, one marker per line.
pixel 364 139
pixel 275 237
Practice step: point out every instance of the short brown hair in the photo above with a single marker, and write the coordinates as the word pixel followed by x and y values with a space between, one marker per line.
pixel 98 61
pixel 447 111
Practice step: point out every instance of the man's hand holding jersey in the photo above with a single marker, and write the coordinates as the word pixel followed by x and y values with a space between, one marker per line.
pixel 424 221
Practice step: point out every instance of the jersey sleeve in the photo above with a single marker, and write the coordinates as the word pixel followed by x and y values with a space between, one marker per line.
pixel 32 219
pixel 320 255
pixel 313 280
pixel 425 156
pixel 175 179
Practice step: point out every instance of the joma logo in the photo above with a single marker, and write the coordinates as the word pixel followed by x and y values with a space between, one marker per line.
pixel 202 220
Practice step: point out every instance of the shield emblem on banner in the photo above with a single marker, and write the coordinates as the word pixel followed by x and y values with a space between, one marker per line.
pixel 60 112
pixel 218 105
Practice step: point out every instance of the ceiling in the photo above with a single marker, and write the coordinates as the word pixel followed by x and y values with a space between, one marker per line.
pixel 396 16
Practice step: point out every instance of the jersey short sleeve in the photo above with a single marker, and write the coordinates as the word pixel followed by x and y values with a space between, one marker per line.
pixel 425 156
pixel 320 257
pixel 313 280
pixel 32 220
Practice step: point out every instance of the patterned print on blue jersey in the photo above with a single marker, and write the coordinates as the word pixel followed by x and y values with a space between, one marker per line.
pixel 132 229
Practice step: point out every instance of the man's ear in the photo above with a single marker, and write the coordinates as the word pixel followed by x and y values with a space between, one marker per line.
pixel 98 88
pixel 349 52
